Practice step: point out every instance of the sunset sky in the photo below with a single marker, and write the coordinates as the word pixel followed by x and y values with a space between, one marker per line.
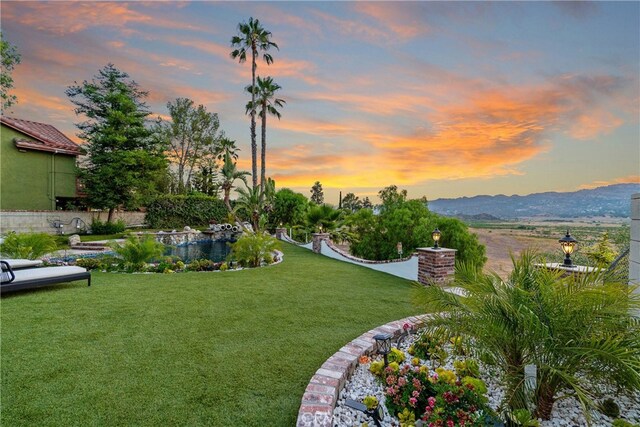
pixel 443 99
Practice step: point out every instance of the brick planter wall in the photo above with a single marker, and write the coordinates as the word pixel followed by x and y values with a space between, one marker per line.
pixel 317 241
pixel 321 395
pixel 436 266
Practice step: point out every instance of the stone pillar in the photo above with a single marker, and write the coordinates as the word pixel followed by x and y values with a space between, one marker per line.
pixel 574 270
pixel 436 266
pixel 317 241
pixel 281 232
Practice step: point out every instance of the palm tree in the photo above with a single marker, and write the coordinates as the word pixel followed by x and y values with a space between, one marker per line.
pixel 251 36
pixel 227 146
pixel 249 202
pixel 230 174
pixel 265 92
pixel 579 332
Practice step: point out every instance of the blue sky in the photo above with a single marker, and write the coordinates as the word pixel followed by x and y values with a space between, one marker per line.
pixel 443 99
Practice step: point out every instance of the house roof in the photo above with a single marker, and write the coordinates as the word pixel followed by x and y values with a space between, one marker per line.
pixel 45 137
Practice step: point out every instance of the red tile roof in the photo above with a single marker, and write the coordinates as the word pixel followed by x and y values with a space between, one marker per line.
pixel 45 137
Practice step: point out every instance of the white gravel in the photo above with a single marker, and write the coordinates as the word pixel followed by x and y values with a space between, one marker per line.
pixel 566 413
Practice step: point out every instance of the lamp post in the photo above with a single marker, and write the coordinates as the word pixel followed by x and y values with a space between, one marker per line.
pixel 384 346
pixel 568 244
pixel 435 235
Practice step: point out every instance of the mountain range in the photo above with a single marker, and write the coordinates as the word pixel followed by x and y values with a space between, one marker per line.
pixel 612 200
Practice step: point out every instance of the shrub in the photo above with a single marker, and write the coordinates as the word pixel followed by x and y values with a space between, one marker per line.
pixel 89 263
pixel 136 252
pixel 203 265
pixel 178 211
pixel 251 249
pixel 27 245
pixel 99 227
pixel 622 423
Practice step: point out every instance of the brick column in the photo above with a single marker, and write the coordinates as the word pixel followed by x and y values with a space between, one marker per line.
pixel 317 241
pixel 436 266
pixel 281 232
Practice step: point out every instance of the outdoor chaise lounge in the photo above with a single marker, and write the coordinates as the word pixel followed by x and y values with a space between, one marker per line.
pixel 17 275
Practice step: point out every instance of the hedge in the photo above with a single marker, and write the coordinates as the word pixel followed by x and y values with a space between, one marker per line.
pixel 179 211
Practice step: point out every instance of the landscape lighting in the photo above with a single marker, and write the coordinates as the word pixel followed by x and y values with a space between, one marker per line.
pixel 435 235
pixel 568 244
pixel 384 345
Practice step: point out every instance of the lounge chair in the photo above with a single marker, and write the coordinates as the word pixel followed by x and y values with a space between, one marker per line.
pixel 29 278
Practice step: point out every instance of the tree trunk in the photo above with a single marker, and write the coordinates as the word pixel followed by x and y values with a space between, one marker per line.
pixel 110 216
pixel 226 198
pixel 263 159
pixel 545 402
pixel 254 147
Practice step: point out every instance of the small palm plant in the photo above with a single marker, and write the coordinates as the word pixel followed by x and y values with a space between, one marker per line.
pixel 581 333
pixel 253 248
pixel 27 245
pixel 136 252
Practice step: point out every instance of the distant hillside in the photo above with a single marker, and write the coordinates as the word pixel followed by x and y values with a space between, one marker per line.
pixel 612 200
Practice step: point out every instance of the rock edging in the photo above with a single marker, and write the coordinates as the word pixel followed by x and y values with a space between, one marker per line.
pixel 346 254
pixel 321 395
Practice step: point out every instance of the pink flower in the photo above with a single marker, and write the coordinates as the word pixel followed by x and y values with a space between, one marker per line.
pixel 391 391
pixel 413 401
pixel 391 379
pixel 402 381
pixel 450 423
pixel 407 326
pixel 432 401
pixel 415 393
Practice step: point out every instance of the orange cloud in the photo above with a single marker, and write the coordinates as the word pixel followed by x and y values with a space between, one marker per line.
pixel 71 17
pixel 403 22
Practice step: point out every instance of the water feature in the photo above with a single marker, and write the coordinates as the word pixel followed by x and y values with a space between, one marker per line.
pixel 215 250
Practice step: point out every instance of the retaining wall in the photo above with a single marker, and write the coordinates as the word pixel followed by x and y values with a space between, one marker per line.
pixel 40 221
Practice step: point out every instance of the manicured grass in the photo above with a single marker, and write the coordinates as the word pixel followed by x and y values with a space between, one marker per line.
pixel 218 349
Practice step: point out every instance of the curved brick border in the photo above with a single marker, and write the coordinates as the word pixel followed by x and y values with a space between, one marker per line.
pixel 345 254
pixel 321 395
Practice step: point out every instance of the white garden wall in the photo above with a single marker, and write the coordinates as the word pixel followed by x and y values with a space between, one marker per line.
pixel 41 221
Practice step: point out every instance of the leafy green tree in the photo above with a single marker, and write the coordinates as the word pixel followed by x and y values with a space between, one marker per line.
pixel 391 197
pixel 265 91
pixel 317 195
pixel 230 174
pixel 10 58
pixel 351 202
pixel 192 137
pixel 289 208
pixel 579 331
pixel 366 203
pixel 602 253
pixel 125 165
pixel 455 235
pixel 249 205
pixel 252 37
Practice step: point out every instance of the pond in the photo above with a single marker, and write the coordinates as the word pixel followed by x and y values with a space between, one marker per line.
pixel 215 250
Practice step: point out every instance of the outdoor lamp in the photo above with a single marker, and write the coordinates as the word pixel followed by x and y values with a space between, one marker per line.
pixel 568 244
pixel 377 414
pixel 384 345
pixel 320 228
pixel 435 235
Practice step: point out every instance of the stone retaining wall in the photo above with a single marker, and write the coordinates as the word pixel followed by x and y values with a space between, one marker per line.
pixel 321 395
pixel 41 221
pixel 362 260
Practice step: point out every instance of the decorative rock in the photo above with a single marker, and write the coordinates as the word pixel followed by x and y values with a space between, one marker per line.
pixel 74 239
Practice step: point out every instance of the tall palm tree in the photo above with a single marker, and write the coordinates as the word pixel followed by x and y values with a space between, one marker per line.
pixel 265 91
pixel 252 37
pixel 579 332
pixel 227 146
pixel 230 174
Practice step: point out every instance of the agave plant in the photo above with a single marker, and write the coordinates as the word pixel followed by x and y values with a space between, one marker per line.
pixel 581 333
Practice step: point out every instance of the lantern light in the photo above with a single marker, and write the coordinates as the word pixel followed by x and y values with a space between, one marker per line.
pixel 435 235
pixel 384 345
pixel 568 244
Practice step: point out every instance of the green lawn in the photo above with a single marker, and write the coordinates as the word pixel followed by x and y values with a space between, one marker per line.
pixel 218 349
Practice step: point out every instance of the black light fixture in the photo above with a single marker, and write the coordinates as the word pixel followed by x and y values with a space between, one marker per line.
pixel 435 235
pixel 568 244
pixel 377 413
pixel 384 346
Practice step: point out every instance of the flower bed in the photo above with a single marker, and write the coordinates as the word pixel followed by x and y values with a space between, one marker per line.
pixel 435 384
